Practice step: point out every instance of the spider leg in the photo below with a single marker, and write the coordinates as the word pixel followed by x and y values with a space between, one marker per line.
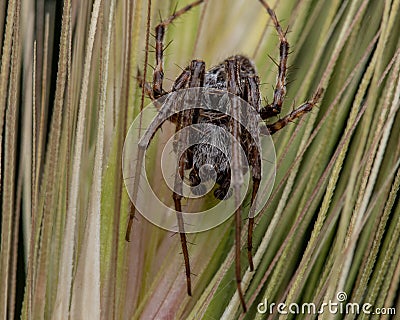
pixel 256 184
pixel 186 118
pixel 280 86
pixel 233 86
pixel 252 96
pixel 158 74
pixel 296 113
pixel 157 122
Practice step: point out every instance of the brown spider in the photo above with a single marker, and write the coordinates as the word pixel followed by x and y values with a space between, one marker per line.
pixel 236 75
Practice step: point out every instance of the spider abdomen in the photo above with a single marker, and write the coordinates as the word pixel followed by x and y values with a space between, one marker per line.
pixel 210 157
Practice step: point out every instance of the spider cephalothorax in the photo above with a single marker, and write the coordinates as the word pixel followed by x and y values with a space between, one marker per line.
pixel 236 75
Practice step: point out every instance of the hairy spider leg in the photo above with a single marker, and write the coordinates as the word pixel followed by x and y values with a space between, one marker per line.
pixel 194 76
pixel 296 113
pixel 274 108
pixel 252 96
pixel 186 117
pixel 181 82
pixel 233 86
pixel 158 75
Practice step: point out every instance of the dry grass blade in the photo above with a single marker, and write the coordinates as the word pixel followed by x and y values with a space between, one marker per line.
pixel 42 231
pixel 67 259
pixel 5 63
pixel 72 81
pixel 9 220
